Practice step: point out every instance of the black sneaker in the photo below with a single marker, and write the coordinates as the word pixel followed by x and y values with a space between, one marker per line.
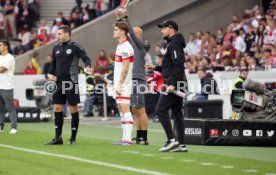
pixel 55 141
pixel 169 145
pixel 134 140
pixel 72 141
pixel 142 141
pixel 180 148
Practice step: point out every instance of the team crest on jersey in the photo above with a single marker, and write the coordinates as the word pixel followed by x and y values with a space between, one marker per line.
pixel 57 52
pixel 124 54
pixel 68 51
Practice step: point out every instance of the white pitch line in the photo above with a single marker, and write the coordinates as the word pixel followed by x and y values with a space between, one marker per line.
pixel 148 155
pixel 166 157
pixel 132 152
pixel 127 168
pixel 207 164
pixel 227 166
pixel 270 173
pixel 251 171
pixel 187 160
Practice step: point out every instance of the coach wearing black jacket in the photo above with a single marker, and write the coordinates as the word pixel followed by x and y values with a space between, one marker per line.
pixel 173 72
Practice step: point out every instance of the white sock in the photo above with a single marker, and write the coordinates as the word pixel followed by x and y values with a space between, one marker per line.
pixel 122 125
pixel 128 125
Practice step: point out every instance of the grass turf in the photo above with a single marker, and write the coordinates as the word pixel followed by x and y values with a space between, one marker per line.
pixel 95 143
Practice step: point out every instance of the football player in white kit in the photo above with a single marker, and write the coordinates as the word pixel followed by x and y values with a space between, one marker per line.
pixel 124 58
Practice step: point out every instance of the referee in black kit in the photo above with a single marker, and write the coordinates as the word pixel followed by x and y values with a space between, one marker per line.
pixel 64 72
pixel 173 72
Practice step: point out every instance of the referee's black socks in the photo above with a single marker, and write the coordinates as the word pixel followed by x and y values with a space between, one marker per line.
pixel 74 124
pixel 58 123
pixel 142 134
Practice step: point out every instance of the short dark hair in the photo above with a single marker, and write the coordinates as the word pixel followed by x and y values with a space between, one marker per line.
pixel 6 43
pixel 65 28
pixel 122 26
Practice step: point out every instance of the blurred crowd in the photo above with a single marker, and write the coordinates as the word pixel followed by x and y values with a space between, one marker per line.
pixel 247 42
pixel 20 21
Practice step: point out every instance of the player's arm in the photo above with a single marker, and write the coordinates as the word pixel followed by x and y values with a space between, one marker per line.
pixel 124 71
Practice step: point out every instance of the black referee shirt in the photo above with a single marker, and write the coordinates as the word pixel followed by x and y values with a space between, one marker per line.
pixel 66 59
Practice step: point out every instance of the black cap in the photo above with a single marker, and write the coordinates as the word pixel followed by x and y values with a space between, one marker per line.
pixel 169 23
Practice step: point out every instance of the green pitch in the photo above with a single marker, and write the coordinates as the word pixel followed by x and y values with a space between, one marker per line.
pixel 25 154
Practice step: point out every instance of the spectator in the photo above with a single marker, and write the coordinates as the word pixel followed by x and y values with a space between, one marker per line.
pixel 208 85
pixel 63 19
pixel 92 10
pixel 34 6
pixel 250 39
pixel 235 24
pixel 227 63
pixel 239 43
pixel 43 27
pixel 47 65
pixel 18 49
pixel 25 15
pixel 271 59
pixel 243 64
pixel 55 27
pixel 190 49
pixel 253 65
pixel 85 13
pixel 190 67
pixel 208 43
pixel 90 96
pixel 220 35
pixel 35 62
pixel 260 35
pixel 30 69
pixel 25 36
pixel 75 20
pixel 198 41
pixel 101 7
pixel 228 35
pixel 8 12
pixel 246 22
pixel 102 63
pixel 148 58
pixel 271 33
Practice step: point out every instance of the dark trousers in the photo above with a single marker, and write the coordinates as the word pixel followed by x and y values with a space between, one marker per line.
pixel 174 103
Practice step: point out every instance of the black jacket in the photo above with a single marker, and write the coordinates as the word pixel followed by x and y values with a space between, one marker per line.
pixel 173 61
pixel 208 85
pixel 66 60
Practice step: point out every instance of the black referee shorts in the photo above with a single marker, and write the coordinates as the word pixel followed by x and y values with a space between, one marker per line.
pixel 66 91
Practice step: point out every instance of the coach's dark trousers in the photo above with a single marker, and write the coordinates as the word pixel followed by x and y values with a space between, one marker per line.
pixel 174 103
